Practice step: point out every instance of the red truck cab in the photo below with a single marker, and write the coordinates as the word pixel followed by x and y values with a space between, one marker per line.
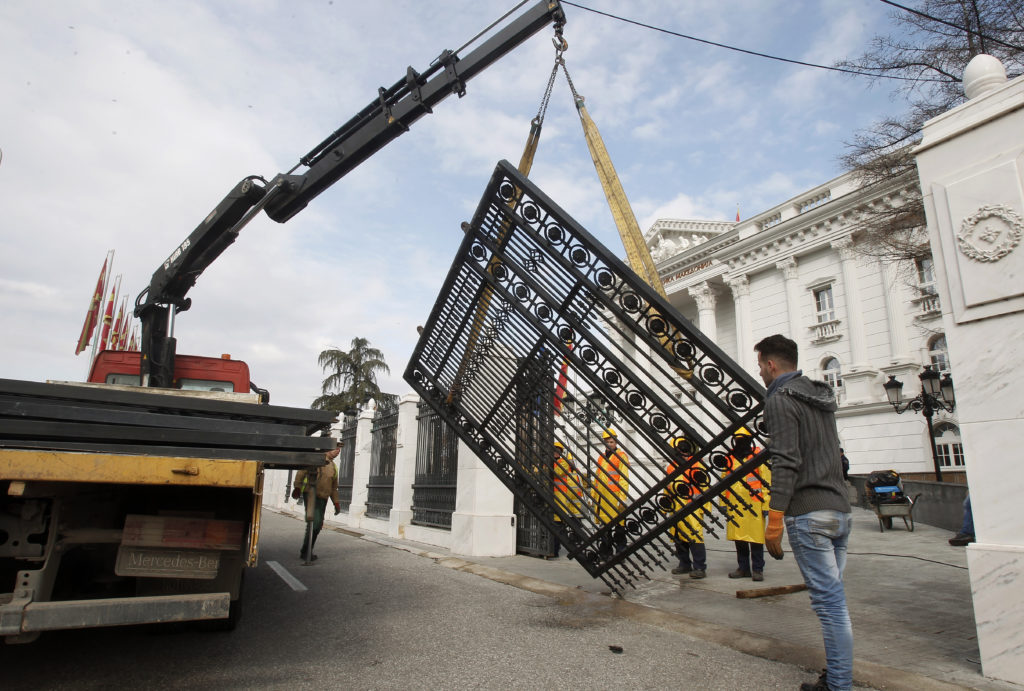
pixel 191 372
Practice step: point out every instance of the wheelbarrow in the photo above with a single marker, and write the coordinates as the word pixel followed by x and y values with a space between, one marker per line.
pixel 899 507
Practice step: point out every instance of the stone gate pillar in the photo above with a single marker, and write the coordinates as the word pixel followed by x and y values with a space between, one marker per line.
pixel 971 164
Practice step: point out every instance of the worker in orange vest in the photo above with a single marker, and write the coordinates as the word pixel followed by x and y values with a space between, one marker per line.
pixel 687 534
pixel 568 487
pixel 746 529
pixel 611 481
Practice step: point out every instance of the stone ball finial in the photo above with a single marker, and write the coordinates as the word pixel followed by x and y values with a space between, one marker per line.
pixel 983 74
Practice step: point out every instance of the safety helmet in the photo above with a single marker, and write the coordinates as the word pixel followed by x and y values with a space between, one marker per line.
pixel 558 445
pixel 609 433
pixel 677 442
pixel 742 432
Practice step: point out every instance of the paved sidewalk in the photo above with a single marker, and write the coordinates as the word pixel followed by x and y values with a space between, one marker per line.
pixel 909 597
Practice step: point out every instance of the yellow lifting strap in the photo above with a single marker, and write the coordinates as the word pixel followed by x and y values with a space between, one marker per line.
pixel 637 253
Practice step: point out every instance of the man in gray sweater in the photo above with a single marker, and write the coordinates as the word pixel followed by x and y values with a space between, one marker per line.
pixel 809 496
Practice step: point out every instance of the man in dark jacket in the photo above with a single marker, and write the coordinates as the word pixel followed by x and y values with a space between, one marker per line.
pixel 809 496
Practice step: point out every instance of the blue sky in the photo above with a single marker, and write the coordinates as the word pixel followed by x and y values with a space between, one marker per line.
pixel 125 122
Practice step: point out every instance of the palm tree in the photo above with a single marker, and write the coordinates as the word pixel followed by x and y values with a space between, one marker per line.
pixel 351 376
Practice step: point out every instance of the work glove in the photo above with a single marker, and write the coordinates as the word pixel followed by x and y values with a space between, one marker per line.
pixel 337 508
pixel 773 534
pixel 296 493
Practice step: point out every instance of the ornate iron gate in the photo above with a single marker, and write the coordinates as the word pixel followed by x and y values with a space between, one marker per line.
pixel 437 465
pixel 530 283
pixel 535 436
pixel 347 462
pixel 380 489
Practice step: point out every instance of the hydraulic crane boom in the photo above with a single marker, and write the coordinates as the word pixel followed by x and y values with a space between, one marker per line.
pixel 384 119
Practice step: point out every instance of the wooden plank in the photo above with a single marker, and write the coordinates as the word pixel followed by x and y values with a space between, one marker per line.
pixel 772 590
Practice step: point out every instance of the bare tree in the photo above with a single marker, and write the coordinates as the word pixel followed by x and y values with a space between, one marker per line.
pixel 928 55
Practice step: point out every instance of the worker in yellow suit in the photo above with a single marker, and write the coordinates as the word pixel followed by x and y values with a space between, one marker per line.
pixel 611 481
pixel 568 486
pixel 746 529
pixel 688 534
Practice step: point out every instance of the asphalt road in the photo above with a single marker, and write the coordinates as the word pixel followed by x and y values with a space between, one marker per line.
pixel 371 616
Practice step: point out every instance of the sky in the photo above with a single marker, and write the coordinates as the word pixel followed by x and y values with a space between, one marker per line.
pixel 124 123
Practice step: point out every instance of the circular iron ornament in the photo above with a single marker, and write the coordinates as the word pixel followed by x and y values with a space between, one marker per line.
pixel 719 461
pixel 604 548
pixel 499 272
pixel 567 334
pixel 521 292
pixel 555 234
pixel 619 537
pixel 543 312
pixel 636 399
pixel 666 503
pixel 657 326
pixel 991 233
pixel 648 515
pixel 683 489
pixel 506 191
pixel 605 279
pixel 612 377
pixel 739 400
pixel 579 256
pixel 630 302
pixel 530 211
pixel 684 350
pixel 589 355
pixel 417 375
pixel 701 479
pixel 590 556
pixel 633 527
pixel 478 252
pixel 659 422
pixel 711 374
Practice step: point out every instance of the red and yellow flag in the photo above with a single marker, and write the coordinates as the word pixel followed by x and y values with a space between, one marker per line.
pixel 115 339
pixel 108 318
pixel 92 316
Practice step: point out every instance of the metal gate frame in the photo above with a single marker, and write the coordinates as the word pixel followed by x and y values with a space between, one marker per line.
pixel 437 465
pixel 529 282
pixel 347 462
pixel 380 489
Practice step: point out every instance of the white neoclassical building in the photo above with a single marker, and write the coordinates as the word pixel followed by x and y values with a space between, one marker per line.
pixel 796 269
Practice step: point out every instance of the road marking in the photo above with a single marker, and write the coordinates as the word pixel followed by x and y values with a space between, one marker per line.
pixel 291 580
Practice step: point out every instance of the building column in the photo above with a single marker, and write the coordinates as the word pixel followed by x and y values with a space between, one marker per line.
pixel 744 338
pixel 969 163
pixel 484 521
pixel 361 467
pixel 899 341
pixel 705 299
pixel 854 317
pixel 791 274
pixel 861 381
pixel 405 465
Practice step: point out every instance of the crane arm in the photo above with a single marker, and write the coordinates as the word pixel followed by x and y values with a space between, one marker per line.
pixel 381 121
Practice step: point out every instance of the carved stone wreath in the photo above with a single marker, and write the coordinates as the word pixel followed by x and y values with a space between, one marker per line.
pixel 991 233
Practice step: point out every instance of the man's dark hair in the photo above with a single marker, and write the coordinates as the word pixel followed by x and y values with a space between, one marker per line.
pixel 778 347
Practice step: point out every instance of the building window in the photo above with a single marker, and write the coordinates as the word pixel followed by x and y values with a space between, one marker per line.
pixel 832 374
pixel 938 355
pixel 925 276
pixel 824 304
pixel 948 446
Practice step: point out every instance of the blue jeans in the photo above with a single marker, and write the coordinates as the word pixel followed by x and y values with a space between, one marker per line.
pixel 967 528
pixel 818 540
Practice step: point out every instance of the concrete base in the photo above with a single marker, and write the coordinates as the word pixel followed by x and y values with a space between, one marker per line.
pixel 429 536
pixel 479 535
pixel 398 522
pixel 997 586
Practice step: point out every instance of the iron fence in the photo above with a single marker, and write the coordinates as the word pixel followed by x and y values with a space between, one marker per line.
pixel 347 462
pixel 380 490
pixel 531 299
pixel 437 463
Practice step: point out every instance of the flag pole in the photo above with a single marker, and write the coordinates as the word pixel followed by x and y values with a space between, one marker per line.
pixel 99 322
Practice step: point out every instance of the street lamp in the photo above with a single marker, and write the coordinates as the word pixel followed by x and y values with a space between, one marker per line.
pixel 936 394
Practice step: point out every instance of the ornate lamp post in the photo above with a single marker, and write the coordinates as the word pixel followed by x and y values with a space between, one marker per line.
pixel 936 394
